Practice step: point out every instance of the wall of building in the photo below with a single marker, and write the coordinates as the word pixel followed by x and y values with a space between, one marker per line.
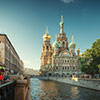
pixel 30 71
pixel 9 57
pixel 2 50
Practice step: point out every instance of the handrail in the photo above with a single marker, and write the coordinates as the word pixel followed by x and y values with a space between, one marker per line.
pixel 7 91
pixel 6 84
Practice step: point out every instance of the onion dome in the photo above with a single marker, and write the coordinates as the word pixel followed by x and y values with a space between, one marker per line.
pixel 61 23
pixel 56 44
pixel 46 35
pixel 78 50
pixel 72 44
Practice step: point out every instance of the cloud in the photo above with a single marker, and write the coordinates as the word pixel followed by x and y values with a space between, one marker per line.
pixel 68 1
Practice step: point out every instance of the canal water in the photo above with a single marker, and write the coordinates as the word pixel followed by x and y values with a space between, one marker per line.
pixel 50 90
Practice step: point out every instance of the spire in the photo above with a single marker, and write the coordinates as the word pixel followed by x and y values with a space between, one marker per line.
pixel 46 29
pixel 72 38
pixel 55 36
pixel 62 18
pixel 61 24
pixel 52 41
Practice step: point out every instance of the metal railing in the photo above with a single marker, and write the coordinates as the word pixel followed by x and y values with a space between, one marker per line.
pixel 7 91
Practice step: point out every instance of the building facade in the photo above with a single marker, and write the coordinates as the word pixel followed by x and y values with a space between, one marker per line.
pixel 59 58
pixel 31 72
pixel 9 57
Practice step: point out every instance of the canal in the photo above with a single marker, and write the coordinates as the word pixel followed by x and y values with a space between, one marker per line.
pixel 50 90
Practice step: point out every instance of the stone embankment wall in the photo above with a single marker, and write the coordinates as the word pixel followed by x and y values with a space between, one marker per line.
pixel 22 88
pixel 83 82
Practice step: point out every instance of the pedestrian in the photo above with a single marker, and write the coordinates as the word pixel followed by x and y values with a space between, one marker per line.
pixel 1 77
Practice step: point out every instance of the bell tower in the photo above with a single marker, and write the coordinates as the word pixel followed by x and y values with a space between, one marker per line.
pixel 46 50
pixel 62 39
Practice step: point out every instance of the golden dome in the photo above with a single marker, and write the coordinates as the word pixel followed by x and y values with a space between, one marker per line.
pixel 78 50
pixel 49 37
pixel 46 36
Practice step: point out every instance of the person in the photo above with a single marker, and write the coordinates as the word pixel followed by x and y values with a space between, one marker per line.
pixel 1 77
pixel 6 77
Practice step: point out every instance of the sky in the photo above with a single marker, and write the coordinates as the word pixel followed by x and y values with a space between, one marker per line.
pixel 25 21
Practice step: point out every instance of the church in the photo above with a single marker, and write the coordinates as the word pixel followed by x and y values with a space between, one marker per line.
pixel 60 57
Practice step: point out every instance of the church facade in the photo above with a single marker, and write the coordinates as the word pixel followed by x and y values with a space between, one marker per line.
pixel 60 57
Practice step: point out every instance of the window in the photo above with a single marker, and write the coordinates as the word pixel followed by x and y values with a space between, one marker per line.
pixel 63 44
pixel 68 68
pixel 43 48
pixel 47 47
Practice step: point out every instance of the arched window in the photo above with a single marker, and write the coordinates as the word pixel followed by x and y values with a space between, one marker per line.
pixel 43 48
pixel 73 68
pixel 63 68
pixel 68 68
pixel 63 44
pixel 47 47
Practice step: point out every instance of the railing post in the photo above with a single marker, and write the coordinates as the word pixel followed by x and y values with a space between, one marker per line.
pixel 20 90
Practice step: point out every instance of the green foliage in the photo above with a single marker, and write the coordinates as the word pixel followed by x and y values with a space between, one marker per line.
pixel 90 59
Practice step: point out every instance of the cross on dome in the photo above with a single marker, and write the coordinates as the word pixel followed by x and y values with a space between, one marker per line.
pixel 62 18
pixel 61 24
pixel 46 29
pixel 55 36
pixel 72 38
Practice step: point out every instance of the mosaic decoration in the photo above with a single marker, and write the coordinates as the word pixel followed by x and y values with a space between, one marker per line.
pixel 65 54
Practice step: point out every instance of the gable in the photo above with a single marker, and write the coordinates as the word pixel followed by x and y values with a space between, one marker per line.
pixel 65 53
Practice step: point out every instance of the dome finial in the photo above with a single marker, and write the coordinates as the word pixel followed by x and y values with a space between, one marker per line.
pixel 72 38
pixel 55 36
pixel 46 29
pixel 61 25
pixel 52 41
pixel 62 18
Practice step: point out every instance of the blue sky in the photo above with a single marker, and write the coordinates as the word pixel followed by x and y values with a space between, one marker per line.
pixel 25 21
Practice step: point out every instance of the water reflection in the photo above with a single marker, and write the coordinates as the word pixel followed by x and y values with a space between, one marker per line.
pixel 49 90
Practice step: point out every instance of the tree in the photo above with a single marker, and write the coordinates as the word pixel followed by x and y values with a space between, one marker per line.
pixel 90 59
pixel 99 67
